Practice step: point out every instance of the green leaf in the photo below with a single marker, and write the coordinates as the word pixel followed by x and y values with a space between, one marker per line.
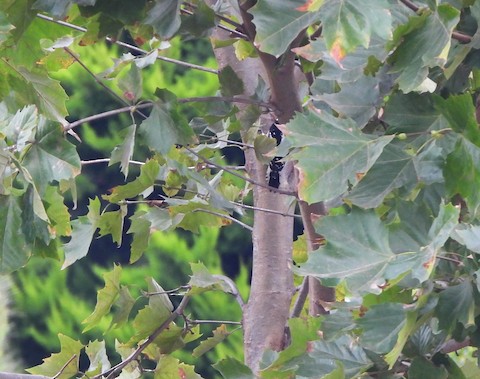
pixel 456 304
pixel 131 84
pixel 230 83
pixel 50 95
pixel 425 44
pixel 140 229
pixel 421 368
pixel 357 250
pixel 462 173
pixel 62 361
pixel 381 325
pixel 343 350
pixel 106 297
pixel 56 8
pixel 20 129
pixel 111 223
pixel 278 23
pixel 468 235
pixel 332 153
pixel 230 368
pixel 14 251
pixel 5 28
pixel 157 311
pixel 123 307
pixel 348 24
pixel 202 281
pixel 193 215
pixel 57 212
pixel 219 334
pixel 162 131
pixel 123 153
pixel 97 354
pixel 142 185
pixel 164 17
pixel 170 367
pixel 83 230
pixel 51 157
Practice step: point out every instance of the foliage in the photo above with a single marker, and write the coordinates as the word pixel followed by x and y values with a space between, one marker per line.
pixel 387 140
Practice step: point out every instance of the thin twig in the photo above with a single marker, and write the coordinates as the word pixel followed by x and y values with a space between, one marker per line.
pixel 147 294
pixel 64 366
pixel 265 210
pixel 112 372
pixel 301 298
pixel 214 322
pixel 107 160
pixel 247 179
pixel 228 217
pixel 130 47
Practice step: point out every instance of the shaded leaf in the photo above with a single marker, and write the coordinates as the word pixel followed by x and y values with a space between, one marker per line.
pixel 57 363
pixel 230 368
pixel 111 223
pixel 97 354
pixel 5 28
pixel 57 8
pixel 131 84
pixel 202 281
pixel 456 304
pixel 20 129
pixel 381 325
pixel 421 368
pixel 123 306
pixel 123 153
pixel 164 17
pixel 84 228
pixel 162 132
pixel 331 154
pixel 170 367
pixel 468 235
pixel 230 83
pixel 14 251
pixel 425 44
pixel 278 23
pixel 106 297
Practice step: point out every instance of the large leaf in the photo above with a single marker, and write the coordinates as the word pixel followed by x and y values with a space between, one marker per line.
pixel 332 154
pixel 468 235
pixel 162 131
pixel 57 8
pixel 348 24
pixel 462 173
pixel 106 297
pixel 278 23
pixel 63 365
pixel 20 129
pixel 51 157
pixel 425 42
pixel 456 303
pixel 230 368
pixel 14 251
pixel 381 325
pixel 164 17
pixel 83 231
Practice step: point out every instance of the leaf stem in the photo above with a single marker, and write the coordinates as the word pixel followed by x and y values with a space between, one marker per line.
pixel 64 366
pixel 226 216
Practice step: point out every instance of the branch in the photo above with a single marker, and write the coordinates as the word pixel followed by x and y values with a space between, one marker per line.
pixel 301 298
pixel 214 322
pixel 451 345
pixel 112 372
pixel 106 160
pixel 247 179
pixel 233 287
pixel 228 217
pixel 128 46
pixel 266 210
pixel 461 37
pixel 57 375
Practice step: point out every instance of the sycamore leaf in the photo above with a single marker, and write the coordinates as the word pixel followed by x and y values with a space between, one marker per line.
pixel 219 334
pixel 20 129
pixel 57 8
pixel 97 354
pixel 195 214
pixel 462 173
pixel 163 130
pixel 123 153
pixel 230 368
pixel 51 157
pixel 230 83
pixel 164 17
pixel 278 23
pixel 143 184
pixel 14 251
pixel 111 223
pixel 5 28
pixel 456 304
pixel 468 235
pixel 348 24
pixel 170 367
pixel 202 281
pixel 425 42
pixel 140 230
pixel 421 368
pixel 332 154
pixel 132 84
pixel 50 94
pixel 106 297
pixel 123 307
pixel 381 325
pixel 57 212
pixel 83 230
pixel 62 361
